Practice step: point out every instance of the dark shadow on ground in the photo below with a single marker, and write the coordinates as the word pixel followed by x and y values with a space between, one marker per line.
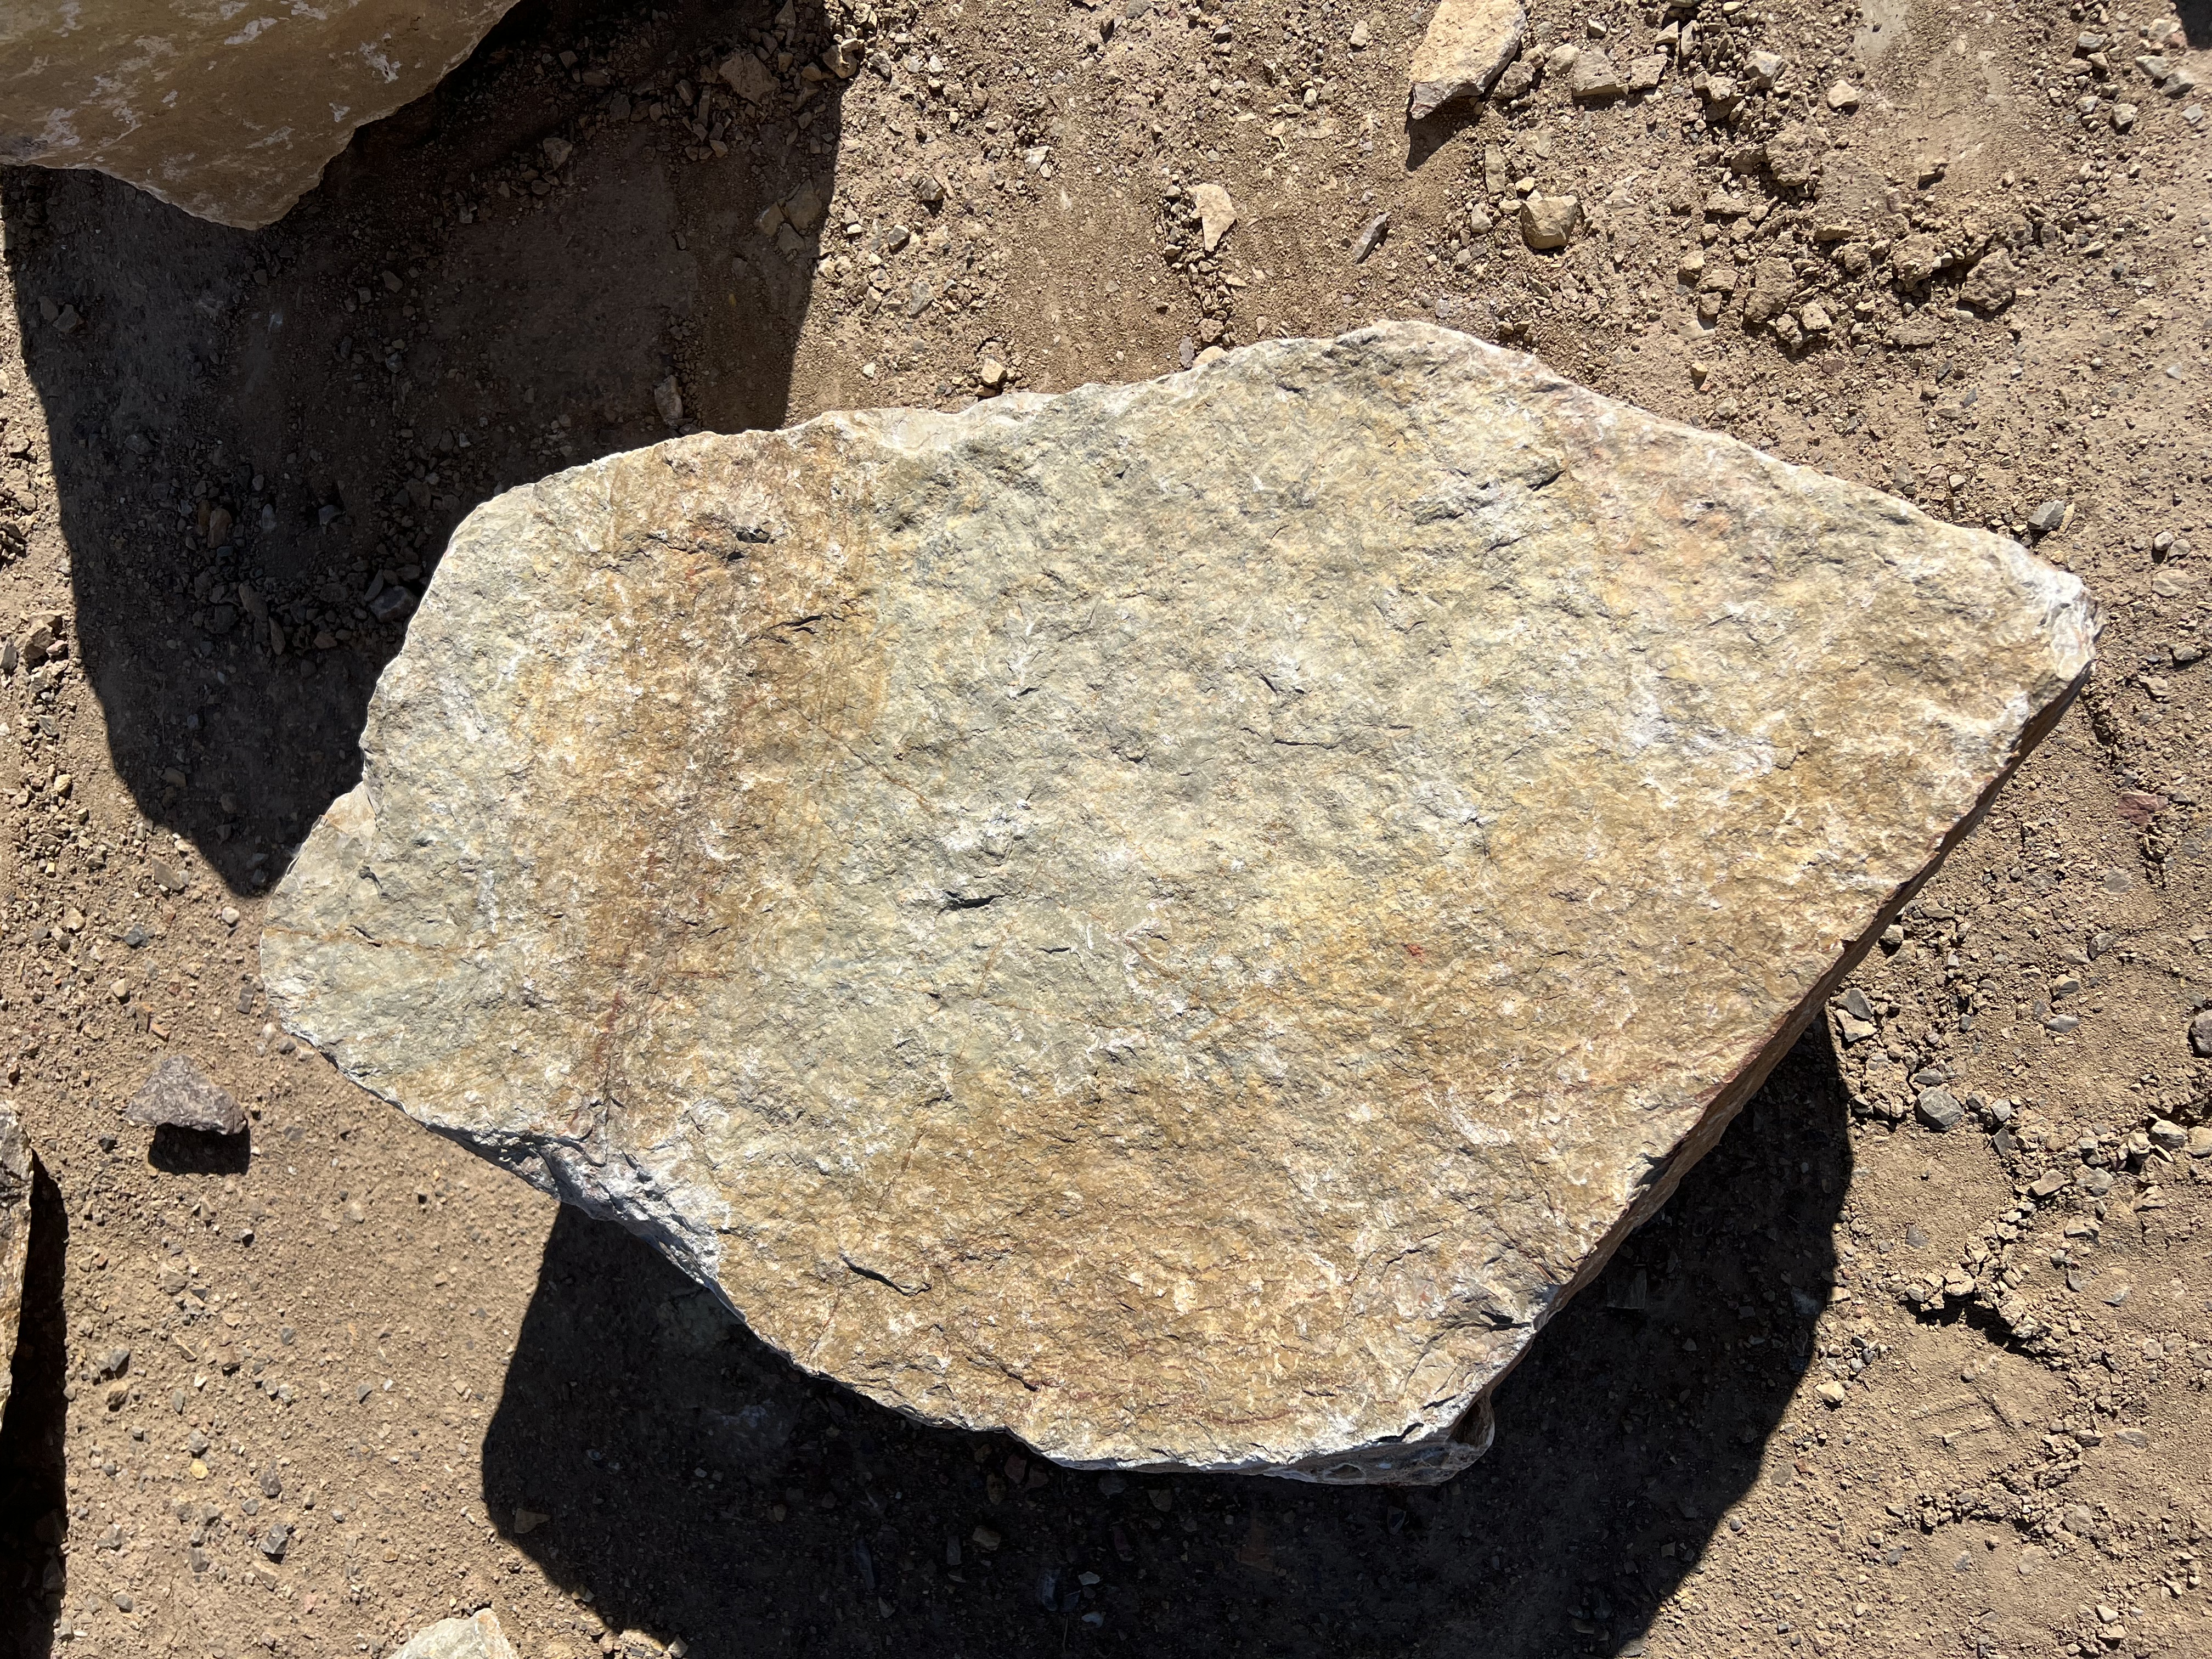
pixel 700 1486
pixel 195 1151
pixel 1424 138
pixel 33 1521
pixel 256 437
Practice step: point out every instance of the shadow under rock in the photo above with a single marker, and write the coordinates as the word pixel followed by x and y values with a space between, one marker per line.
pixel 33 1518
pixel 257 436
pixel 197 1151
pixel 700 1487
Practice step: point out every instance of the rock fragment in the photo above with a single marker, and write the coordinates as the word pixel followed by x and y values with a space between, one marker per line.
pixel 1549 221
pixel 1216 213
pixel 181 1095
pixel 14 1240
pixel 1915 259
pixel 230 117
pixel 1370 237
pixel 668 401
pixel 1939 1108
pixel 1594 78
pixel 1017 903
pixel 1773 280
pixel 475 1637
pixel 749 78
pixel 1466 47
pixel 1763 69
pixel 1990 285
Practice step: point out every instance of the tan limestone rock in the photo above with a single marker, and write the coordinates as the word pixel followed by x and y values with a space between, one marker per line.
pixel 14 1240
pixel 1466 46
pixel 1217 213
pixel 230 113
pixel 1549 222
pixel 1180 920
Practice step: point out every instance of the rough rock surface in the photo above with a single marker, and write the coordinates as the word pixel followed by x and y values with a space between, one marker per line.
pixel 478 1636
pixel 229 114
pixel 1466 46
pixel 14 1241
pixel 179 1094
pixel 1182 920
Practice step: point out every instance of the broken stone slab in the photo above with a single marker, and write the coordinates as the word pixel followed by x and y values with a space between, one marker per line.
pixel 1466 46
pixel 478 1636
pixel 1183 921
pixel 14 1241
pixel 181 1095
pixel 231 117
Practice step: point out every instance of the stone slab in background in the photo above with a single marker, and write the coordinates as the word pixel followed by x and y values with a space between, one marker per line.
pixel 14 1240
pixel 180 1095
pixel 230 114
pixel 1180 920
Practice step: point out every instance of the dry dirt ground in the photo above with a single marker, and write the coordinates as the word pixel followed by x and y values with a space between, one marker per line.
pixel 1771 1428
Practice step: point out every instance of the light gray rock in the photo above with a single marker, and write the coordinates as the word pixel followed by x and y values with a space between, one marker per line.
pixel 182 1095
pixel 477 1638
pixel 1594 79
pixel 1178 920
pixel 14 1240
pixel 1763 69
pixel 1466 46
pixel 1939 1108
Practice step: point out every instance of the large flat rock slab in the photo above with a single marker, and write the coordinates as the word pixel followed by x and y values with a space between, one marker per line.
pixel 228 112
pixel 1180 920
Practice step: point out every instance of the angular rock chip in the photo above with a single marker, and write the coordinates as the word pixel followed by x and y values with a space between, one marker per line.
pixel 1594 79
pixel 1466 47
pixel 1180 920
pixel 14 1241
pixel 477 1638
pixel 229 115
pixel 1549 222
pixel 1990 285
pixel 1216 213
pixel 183 1096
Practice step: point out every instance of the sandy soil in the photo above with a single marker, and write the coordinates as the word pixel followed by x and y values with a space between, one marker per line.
pixel 1770 1427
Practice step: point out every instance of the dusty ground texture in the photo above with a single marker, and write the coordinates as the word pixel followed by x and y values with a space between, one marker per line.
pixel 304 1396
